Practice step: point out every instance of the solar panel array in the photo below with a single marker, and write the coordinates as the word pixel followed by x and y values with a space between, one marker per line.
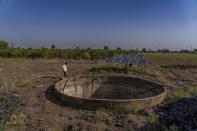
pixel 127 59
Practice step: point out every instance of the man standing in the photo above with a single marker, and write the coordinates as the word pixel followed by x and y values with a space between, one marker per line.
pixel 65 69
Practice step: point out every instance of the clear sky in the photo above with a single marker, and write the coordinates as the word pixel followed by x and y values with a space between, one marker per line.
pixel 94 23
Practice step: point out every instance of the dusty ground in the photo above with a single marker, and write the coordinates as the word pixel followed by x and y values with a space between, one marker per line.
pixel 31 79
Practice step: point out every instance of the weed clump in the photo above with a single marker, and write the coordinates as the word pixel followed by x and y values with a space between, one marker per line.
pixel 152 122
pixel 102 114
pixel 152 118
pixel 182 93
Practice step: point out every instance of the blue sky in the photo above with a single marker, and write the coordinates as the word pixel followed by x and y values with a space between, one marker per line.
pixel 94 23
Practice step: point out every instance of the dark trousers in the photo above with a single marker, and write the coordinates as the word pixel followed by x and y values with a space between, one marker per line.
pixel 65 74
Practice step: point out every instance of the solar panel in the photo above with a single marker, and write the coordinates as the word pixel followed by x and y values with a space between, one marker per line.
pixel 142 61
pixel 131 56
pixel 133 61
pixel 140 56
pixel 117 60
pixel 127 59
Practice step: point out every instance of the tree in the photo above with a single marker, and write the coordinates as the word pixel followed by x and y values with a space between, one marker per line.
pixel 53 46
pixel 3 44
pixel 184 51
pixel 78 48
pixel 163 50
pixel 118 48
pixel 144 50
pixel 195 50
pixel 106 48
pixel 88 49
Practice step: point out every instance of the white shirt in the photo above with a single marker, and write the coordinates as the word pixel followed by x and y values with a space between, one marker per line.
pixel 65 68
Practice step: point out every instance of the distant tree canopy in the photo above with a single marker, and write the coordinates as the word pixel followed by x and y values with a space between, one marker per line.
pixel 3 44
pixel 185 51
pixel 118 48
pixel 195 50
pixel 144 50
pixel 77 53
pixel 53 46
pixel 106 48
pixel 163 50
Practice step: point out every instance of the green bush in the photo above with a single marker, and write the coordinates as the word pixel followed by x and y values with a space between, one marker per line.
pixel 152 118
pixel 181 93
pixel 3 44
pixel 56 53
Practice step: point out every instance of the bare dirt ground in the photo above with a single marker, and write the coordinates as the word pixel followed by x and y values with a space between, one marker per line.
pixel 32 80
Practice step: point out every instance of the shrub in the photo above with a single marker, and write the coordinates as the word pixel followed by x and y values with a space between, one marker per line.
pixel 87 56
pixel 3 44
pixel 102 114
pixel 182 93
pixel 152 118
pixel 152 123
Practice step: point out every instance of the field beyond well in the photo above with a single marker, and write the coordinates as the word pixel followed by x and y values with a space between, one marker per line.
pixel 27 80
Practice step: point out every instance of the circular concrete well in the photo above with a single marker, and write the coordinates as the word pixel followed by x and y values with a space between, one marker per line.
pixel 111 92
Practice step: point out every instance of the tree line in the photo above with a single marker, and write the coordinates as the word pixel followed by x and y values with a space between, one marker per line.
pixel 6 51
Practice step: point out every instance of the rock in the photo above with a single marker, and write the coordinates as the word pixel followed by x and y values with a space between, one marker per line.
pixel 70 118
pixel 129 121
pixel 181 113
pixel 88 117
pixel 118 125
pixel 40 85
pixel 109 122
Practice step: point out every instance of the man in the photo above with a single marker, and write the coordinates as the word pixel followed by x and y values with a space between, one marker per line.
pixel 65 69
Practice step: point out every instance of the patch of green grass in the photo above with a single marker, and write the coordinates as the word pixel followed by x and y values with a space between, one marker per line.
pixel 152 122
pixel 134 109
pixel 152 118
pixel 102 114
pixel 181 93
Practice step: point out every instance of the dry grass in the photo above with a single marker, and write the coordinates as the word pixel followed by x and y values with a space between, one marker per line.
pixel 13 86
pixel 8 87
